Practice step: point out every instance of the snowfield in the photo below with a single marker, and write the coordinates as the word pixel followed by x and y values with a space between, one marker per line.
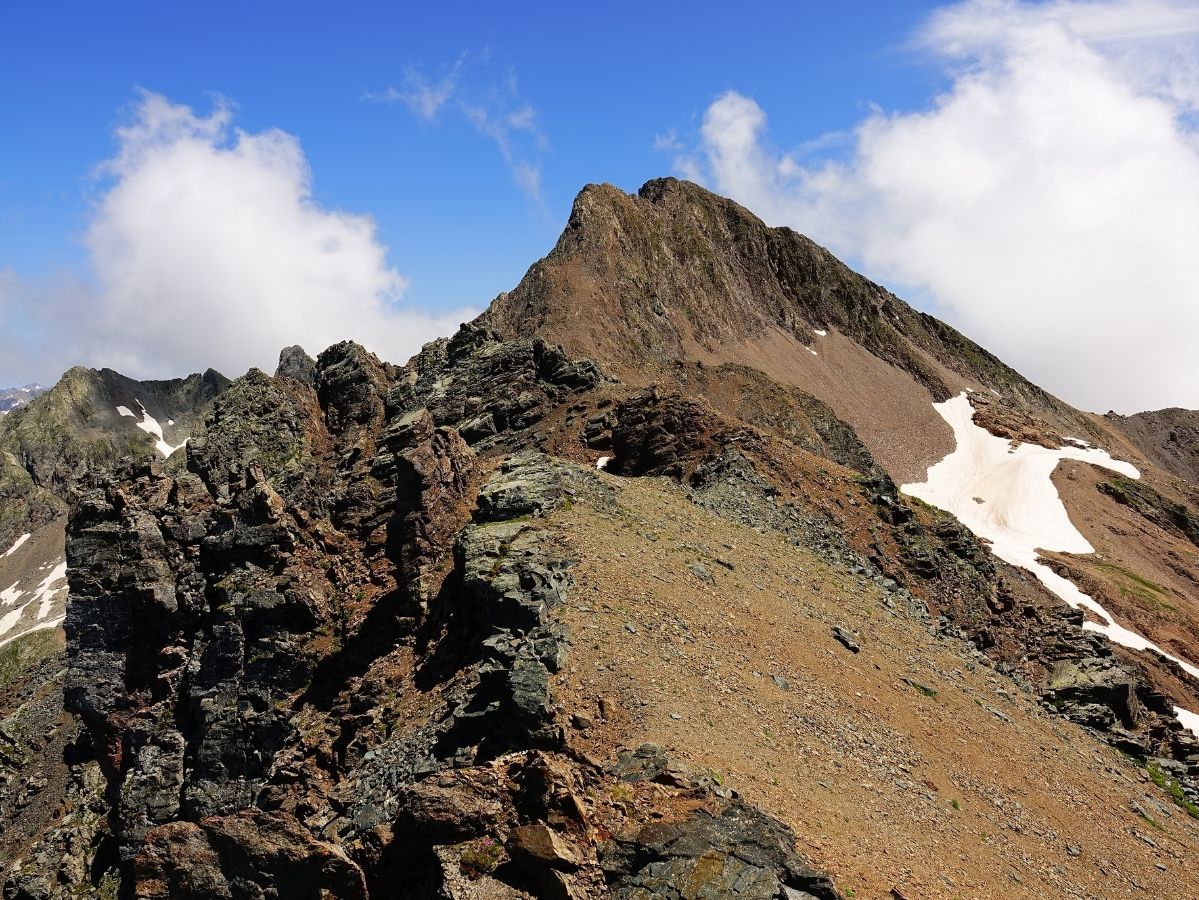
pixel 1004 494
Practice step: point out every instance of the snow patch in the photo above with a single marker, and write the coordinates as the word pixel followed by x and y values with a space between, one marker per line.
pixel 16 546
pixel 813 352
pixel 602 462
pixel 820 333
pixel 9 620
pixel 1188 719
pixel 1021 511
pixel 150 425
pixel 50 588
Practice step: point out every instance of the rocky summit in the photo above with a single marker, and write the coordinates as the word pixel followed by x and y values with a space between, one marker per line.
pixel 623 590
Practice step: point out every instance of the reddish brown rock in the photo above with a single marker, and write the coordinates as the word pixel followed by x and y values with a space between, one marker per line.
pixel 250 854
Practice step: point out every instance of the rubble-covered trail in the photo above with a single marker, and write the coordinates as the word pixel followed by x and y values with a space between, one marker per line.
pixel 910 764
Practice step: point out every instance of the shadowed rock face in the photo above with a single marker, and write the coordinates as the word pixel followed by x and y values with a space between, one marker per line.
pixel 1169 437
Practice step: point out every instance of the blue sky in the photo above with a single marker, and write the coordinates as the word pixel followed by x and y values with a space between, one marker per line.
pixel 603 84
pixel 922 142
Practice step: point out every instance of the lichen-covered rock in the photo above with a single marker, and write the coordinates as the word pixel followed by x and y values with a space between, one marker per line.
pixel 491 390
pixel 738 852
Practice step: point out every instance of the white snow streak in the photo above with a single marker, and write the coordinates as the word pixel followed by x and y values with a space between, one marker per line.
pixel 41 626
pixel 45 592
pixel 820 333
pixel 16 546
pixel 9 619
pixel 602 462
pixel 1187 718
pixel 1004 495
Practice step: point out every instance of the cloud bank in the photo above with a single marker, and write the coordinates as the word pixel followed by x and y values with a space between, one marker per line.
pixel 208 248
pixel 1047 203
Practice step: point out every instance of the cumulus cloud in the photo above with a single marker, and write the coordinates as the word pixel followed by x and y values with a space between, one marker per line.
pixel 495 108
pixel 209 249
pixel 1047 203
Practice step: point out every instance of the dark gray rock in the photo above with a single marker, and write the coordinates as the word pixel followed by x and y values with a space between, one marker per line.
pixel 846 638
pixel 297 365
pixel 740 852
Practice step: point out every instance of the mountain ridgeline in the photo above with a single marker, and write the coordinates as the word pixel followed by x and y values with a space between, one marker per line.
pixel 612 593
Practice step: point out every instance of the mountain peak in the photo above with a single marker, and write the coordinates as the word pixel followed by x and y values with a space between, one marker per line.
pixel 677 276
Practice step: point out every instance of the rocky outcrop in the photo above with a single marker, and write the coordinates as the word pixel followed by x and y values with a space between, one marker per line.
pixel 736 851
pixel 1172 516
pixel 296 364
pixel 433 470
pixel 492 391
pixel 222 580
pixel 321 656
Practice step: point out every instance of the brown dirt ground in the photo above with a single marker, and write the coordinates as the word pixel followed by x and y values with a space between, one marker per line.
pixel 973 792
pixel 891 412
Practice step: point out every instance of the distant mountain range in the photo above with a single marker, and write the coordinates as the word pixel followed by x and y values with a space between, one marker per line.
pixel 12 398
pixel 698 565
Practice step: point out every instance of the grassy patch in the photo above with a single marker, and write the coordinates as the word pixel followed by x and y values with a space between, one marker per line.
pixel 1152 821
pixel 25 652
pixel 481 858
pixel 922 688
pixel 1134 586
pixel 1171 787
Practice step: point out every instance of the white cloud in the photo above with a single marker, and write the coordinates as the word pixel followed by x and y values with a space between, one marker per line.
pixel 209 249
pixel 1047 203
pixel 423 96
pixel 495 108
